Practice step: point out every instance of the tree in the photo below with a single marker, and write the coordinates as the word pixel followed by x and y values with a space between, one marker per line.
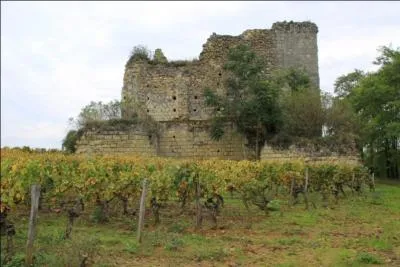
pixel 376 99
pixel 303 113
pixel 69 142
pixel 293 79
pixel 342 126
pixel 345 84
pixel 91 113
pixel 251 101
pixel 98 111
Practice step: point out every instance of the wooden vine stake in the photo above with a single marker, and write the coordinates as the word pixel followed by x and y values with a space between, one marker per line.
pixel 198 206
pixel 35 194
pixel 9 253
pixel 373 182
pixel 291 199
pixel 142 212
pixel 306 188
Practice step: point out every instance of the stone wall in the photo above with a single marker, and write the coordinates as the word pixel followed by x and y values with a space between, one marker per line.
pixel 116 142
pixel 190 140
pixel 268 153
pixel 180 140
pixel 168 93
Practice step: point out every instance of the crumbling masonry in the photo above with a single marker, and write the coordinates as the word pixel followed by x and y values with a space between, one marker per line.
pixel 172 94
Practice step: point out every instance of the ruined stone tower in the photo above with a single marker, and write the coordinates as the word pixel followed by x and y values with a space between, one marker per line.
pixel 172 93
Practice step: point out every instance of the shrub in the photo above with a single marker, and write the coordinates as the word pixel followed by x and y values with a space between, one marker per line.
pixel 367 258
pixel 174 244
pixel 139 52
pixel 69 142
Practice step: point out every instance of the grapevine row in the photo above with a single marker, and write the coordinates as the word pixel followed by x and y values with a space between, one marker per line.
pixel 96 179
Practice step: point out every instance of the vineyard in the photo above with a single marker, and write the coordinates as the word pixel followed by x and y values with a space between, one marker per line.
pixel 109 188
pixel 98 180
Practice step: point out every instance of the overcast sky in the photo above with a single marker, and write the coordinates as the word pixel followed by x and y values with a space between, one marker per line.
pixel 56 57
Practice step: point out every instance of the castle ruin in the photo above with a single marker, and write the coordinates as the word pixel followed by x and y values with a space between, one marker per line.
pixel 171 93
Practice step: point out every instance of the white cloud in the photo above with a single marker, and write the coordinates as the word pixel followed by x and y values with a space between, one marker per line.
pixel 39 130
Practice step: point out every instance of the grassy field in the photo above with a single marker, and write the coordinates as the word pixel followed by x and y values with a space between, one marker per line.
pixel 359 231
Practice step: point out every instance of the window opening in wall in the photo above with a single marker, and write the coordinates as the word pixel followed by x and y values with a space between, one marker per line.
pixel 148 98
pixel 220 74
pixel 148 110
pixel 218 150
pixel 218 109
pixel 174 109
pixel 195 97
pixel 173 136
pixel 194 110
pixel 150 136
pixel 174 97
pixel 147 85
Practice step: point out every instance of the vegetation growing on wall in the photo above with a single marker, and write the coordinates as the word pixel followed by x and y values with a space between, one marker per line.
pixel 142 53
pixel 139 53
pixel 281 109
pixel 159 56
pixel 251 102
pixel 285 109
pixel 105 116
pixel 301 105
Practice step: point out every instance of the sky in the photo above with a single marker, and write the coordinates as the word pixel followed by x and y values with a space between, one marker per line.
pixel 57 57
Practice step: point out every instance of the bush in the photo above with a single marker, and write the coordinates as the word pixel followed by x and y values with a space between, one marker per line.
pixel 367 258
pixel 17 261
pixel 69 142
pixel 174 244
pixel 139 52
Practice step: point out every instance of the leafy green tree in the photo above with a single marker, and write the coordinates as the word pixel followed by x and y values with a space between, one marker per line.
pixel 251 101
pixel 303 113
pixel 342 126
pixel 97 111
pixel 293 79
pixel 345 84
pixel 376 99
pixel 301 105
pixel 91 113
pixel 69 142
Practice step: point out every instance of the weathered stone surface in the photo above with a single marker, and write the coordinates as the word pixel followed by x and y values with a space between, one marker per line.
pixel 172 94
pixel 175 91
pixel 311 155
pixel 184 140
